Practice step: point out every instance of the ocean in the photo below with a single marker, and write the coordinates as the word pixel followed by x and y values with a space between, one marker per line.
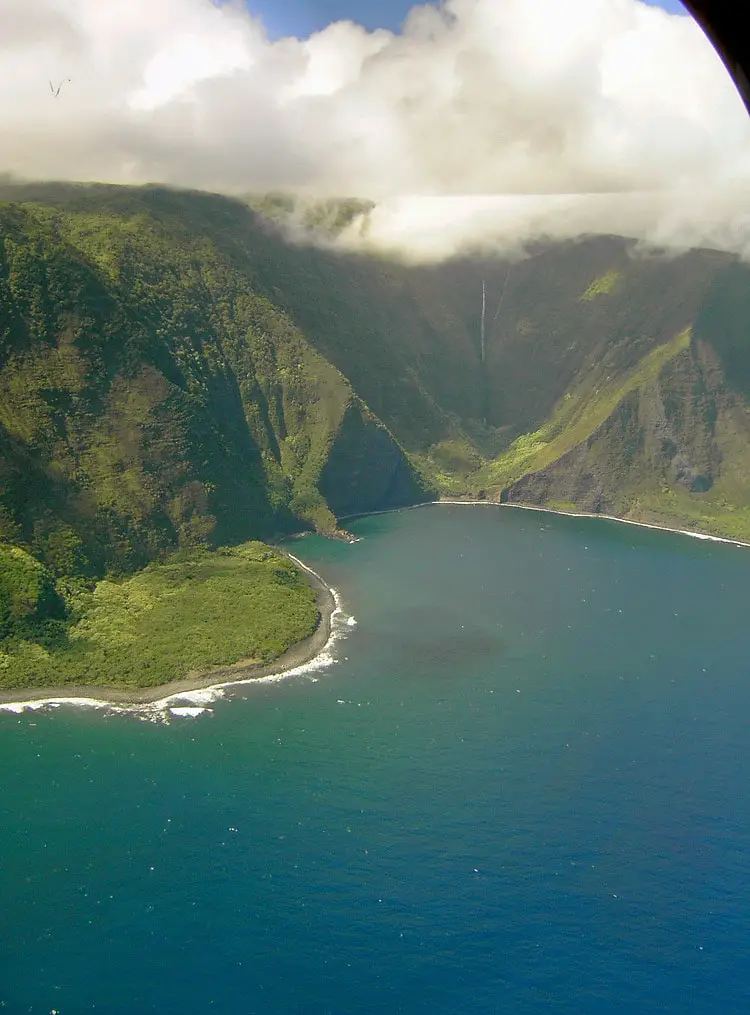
pixel 520 786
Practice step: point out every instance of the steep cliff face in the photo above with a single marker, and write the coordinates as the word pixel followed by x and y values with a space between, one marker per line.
pixel 365 470
pixel 174 370
pixel 675 450
pixel 645 414
pixel 151 398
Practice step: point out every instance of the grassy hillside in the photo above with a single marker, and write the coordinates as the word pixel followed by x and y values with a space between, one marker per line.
pixel 191 614
pixel 672 448
pixel 155 396
pixel 581 413
pixel 178 370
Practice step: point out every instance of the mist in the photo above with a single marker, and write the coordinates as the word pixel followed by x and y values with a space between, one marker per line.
pixel 485 123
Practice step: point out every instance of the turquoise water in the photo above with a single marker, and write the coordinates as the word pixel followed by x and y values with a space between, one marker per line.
pixel 522 788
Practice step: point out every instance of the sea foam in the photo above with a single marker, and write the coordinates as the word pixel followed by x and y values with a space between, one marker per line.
pixel 194 703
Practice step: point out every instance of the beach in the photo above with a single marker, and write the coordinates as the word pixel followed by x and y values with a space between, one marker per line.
pixel 190 694
pixel 194 686
pixel 591 514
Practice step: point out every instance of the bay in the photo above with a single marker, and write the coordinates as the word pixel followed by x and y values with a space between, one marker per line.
pixel 521 787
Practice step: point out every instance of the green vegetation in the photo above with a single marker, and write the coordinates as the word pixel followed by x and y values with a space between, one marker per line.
pixel 156 395
pixel 30 606
pixel 449 464
pixel 602 286
pixel 675 451
pixel 195 612
pixel 178 371
pixel 578 416
pixel 325 217
pixel 151 394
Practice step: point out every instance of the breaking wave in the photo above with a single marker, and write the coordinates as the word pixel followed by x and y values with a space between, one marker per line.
pixel 195 703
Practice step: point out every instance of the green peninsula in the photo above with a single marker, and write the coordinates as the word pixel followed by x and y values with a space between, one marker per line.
pixel 194 613
pixel 182 371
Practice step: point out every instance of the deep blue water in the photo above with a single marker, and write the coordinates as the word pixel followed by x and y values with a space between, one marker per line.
pixel 522 789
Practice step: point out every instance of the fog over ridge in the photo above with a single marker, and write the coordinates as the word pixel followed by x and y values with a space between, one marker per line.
pixel 485 122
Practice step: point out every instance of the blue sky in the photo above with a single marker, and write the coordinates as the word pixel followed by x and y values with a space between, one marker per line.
pixel 301 17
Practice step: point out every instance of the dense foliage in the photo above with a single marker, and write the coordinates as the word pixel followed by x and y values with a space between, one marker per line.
pixel 30 605
pixel 182 370
pixel 195 612
pixel 150 395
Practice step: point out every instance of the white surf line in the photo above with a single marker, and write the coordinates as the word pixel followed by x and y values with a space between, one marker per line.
pixel 189 704
pixel 338 620
pixel 551 511
pixel 21 706
pixel 589 514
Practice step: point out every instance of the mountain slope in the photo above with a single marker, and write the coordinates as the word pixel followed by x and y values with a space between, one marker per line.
pixel 671 446
pixel 174 369
pixel 179 373
pixel 150 397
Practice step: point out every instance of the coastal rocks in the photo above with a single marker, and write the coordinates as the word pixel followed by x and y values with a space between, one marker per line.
pixel 342 536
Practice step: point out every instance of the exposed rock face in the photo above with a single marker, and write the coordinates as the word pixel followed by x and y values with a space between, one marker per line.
pixel 174 371
pixel 678 446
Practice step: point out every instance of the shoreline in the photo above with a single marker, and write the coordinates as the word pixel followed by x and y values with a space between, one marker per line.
pixel 196 686
pixel 190 694
pixel 591 514
pixel 554 511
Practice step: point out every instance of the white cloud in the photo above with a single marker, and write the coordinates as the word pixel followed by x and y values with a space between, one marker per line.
pixel 623 108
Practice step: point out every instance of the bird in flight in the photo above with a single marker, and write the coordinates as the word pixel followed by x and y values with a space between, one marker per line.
pixel 56 91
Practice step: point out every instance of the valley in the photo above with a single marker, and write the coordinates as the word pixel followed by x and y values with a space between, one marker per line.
pixel 180 371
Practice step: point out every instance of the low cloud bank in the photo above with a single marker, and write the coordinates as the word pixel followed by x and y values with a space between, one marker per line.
pixel 486 122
